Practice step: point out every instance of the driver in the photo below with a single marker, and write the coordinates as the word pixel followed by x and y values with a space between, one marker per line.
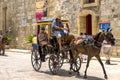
pixel 58 29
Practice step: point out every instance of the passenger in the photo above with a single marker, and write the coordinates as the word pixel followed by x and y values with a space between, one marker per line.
pixel 88 39
pixel 66 31
pixel 81 38
pixel 58 29
pixel 42 38
pixel 34 42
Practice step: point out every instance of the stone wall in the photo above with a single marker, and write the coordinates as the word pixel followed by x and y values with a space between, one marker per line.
pixel 69 9
pixel 18 11
pixel 110 12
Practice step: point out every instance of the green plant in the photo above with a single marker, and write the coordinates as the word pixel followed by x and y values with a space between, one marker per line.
pixel 9 37
pixel 29 39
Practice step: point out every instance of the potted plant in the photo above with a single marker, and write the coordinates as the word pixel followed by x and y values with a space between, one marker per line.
pixel 9 39
pixel 29 39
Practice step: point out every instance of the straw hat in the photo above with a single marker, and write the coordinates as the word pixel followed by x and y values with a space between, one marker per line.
pixel 58 16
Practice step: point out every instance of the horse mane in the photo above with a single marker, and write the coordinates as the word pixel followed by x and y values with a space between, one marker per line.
pixel 97 36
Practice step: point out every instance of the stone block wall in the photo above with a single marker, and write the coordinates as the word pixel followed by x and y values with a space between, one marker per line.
pixel 69 9
pixel 18 11
pixel 110 12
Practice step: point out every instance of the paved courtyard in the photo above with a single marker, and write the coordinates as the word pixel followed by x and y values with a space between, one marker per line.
pixel 17 66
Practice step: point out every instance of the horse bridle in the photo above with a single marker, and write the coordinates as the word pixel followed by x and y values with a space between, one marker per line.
pixel 98 42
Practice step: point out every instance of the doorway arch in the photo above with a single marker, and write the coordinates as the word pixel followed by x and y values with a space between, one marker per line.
pixel 88 22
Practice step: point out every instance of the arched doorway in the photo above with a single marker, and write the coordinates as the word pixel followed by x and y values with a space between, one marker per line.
pixel 89 24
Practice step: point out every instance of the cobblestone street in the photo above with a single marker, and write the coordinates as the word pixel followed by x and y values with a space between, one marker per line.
pixel 17 66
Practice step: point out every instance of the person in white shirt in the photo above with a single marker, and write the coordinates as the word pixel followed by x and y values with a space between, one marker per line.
pixel 106 50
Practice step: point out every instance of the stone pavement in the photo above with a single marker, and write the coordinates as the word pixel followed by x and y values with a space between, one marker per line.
pixel 16 65
pixel 18 50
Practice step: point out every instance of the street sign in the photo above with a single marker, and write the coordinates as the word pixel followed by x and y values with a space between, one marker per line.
pixel 24 22
pixel 104 26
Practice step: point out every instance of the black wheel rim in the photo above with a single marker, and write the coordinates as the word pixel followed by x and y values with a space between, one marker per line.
pixel 61 59
pixel 76 65
pixel 35 60
pixel 53 64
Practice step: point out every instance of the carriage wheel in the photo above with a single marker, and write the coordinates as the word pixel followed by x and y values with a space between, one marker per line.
pixel 35 60
pixel 61 59
pixel 76 65
pixel 53 64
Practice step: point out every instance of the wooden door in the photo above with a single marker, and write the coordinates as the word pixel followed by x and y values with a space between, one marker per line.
pixel 89 24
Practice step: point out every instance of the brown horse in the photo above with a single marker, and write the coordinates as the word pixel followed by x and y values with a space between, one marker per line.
pixel 66 40
pixel 93 49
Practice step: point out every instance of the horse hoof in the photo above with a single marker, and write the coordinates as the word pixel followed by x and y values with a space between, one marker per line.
pixel 85 76
pixel 106 77
pixel 78 74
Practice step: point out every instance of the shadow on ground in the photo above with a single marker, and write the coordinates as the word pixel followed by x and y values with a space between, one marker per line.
pixel 111 64
pixel 4 55
pixel 65 73
pixel 93 78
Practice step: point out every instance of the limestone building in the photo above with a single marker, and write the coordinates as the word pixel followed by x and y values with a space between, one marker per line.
pixel 83 15
pixel 18 17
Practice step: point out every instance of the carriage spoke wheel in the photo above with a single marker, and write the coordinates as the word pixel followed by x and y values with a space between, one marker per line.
pixel 35 60
pixel 76 65
pixel 61 59
pixel 53 64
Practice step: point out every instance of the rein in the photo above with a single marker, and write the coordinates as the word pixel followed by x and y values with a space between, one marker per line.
pixel 97 41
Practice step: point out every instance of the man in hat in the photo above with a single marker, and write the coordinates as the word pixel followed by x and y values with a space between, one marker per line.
pixel 58 29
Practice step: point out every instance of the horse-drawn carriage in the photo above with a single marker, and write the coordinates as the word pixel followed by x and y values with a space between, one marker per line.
pixel 51 50
pixel 56 57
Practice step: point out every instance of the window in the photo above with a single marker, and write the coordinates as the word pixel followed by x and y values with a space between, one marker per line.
pixel 91 1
